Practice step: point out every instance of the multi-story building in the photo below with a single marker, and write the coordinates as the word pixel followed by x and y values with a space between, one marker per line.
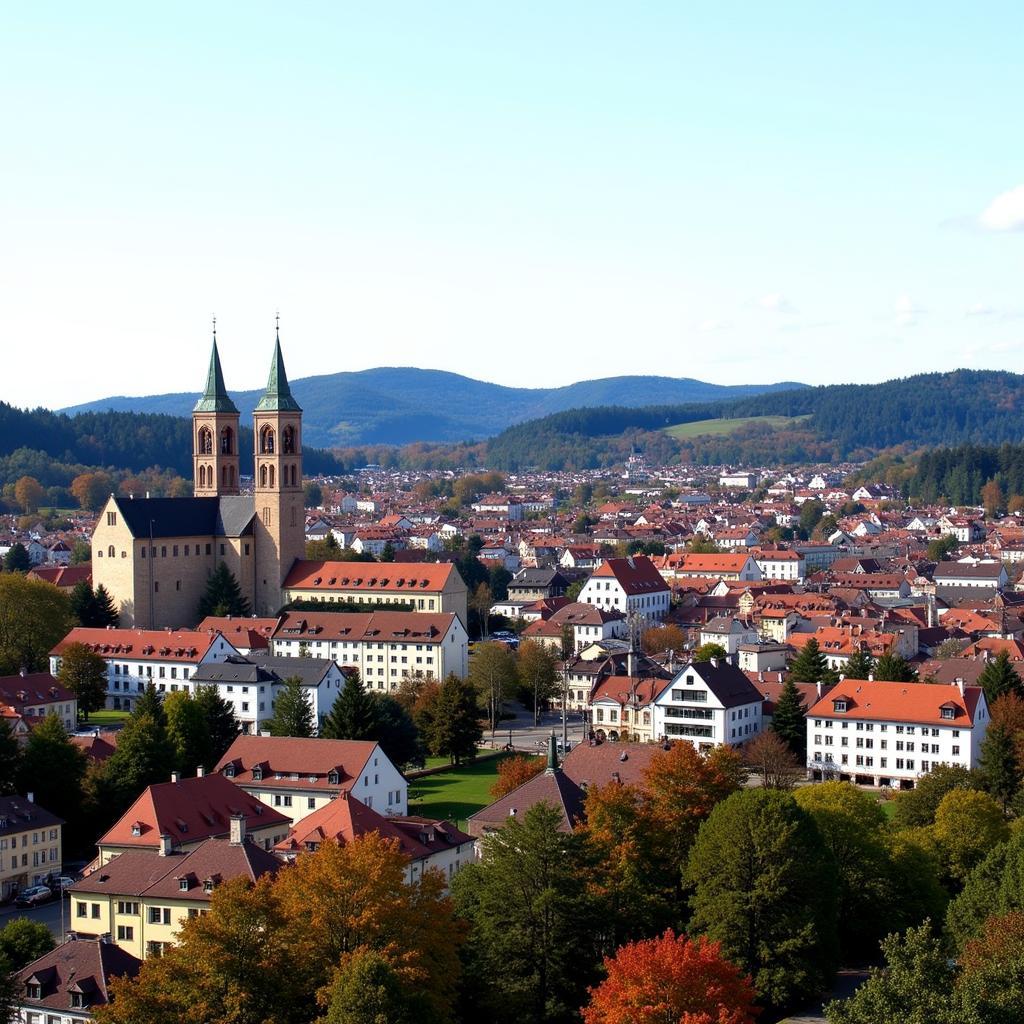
pixel 34 695
pixel 30 844
pixel 890 734
pixel 141 898
pixel 632 586
pixel 137 657
pixel 155 555
pixel 182 813
pixel 682 566
pixel 296 776
pixel 709 703
pixel 420 586
pixel 386 647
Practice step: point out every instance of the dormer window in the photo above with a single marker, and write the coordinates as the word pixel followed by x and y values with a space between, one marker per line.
pixel 208 885
pixel 229 771
pixel 839 706
pixel 136 829
pixel 183 885
pixel 33 991
pixel 257 774
pixel 77 1001
pixel 947 712
pixel 333 778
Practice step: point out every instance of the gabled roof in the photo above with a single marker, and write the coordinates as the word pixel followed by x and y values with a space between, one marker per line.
pixel 82 965
pixel 730 686
pixel 189 811
pixel 227 516
pixel 382 626
pixel 374 577
pixel 32 688
pixel 917 703
pixel 312 760
pixel 551 787
pixel 596 764
pixel 636 575
pixel 143 644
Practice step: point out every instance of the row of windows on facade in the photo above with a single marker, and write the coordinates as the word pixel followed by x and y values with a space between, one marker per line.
pixel 37 837
pixel 868 761
pixel 901 730
pixel 39 857
pixel 208 476
pixel 613 715
pixel 869 744
pixel 187 551
pixel 267 441
pixel 370 599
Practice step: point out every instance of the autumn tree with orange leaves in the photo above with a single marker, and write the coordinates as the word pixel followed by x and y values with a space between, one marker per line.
pixel 513 772
pixel 671 980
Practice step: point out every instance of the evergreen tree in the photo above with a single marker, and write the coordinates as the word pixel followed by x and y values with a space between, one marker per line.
pixel 892 668
pixel 789 719
pixel 83 604
pixel 455 721
pixel 532 924
pixel 859 665
pixel 10 758
pixel 152 704
pixel 999 677
pixel 53 768
pixel 189 733
pixel 397 733
pixel 17 559
pixel 223 595
pixel 144 756
pixel 353 716
pixel 220 721
pixel 105 612
pixel 999 768
pixel 293 715
pixel 84 673
pixel 811 665
pixel 764 886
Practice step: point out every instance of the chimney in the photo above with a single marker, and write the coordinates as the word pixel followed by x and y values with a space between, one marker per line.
pixel 175 777
pixel 817 686
pixel 631 663
pixel 714 663
pixel 237 829
pixel 166 845
pixel 871 677
pixel 200 772
pixel 22 672
pixel 30 797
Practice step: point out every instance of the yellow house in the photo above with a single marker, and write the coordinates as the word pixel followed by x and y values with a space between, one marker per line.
pixel 141 898
pixel 30 844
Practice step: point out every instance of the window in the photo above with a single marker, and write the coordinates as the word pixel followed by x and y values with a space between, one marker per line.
pixel 111 519
pixel 94 910
pixel 159 915
pixel 125 907
pixel 125 933
pixel 81 909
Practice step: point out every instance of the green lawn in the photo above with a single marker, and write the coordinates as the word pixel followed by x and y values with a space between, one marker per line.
pixel 708 428
pixel 104 718
pixel 454 795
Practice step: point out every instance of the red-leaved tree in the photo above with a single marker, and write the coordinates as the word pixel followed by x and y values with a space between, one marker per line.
pixel 671 980
pixel 513 772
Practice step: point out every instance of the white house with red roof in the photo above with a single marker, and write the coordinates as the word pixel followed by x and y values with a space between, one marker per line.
pixel 632 586
pixel 296 776
pixel 137 657
pixel 681 566
pixel 780 564
pixel 890 734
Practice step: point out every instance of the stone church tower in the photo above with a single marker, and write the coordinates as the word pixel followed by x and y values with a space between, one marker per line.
pixel 214 436
pixel 279 528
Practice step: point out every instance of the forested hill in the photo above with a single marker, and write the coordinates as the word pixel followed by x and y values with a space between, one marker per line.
pixel 53 446
pixel 403 405
pixel 840 421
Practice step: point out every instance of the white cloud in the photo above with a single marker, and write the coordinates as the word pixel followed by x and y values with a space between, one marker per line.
pixel 1005 212
pixel 710 324
pixel 979 309
pixel 907 311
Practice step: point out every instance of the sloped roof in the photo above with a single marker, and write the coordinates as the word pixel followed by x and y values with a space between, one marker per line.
pixel 227 516
pixel 917 703
pixel 373 577
pixel 551 787
pixel 81 962
pixel 306 757
pixel 636 575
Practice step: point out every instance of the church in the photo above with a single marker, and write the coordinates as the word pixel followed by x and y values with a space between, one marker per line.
pixel 155 555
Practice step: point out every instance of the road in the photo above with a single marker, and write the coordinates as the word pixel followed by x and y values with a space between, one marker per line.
pixel 48 914
pixel 526 736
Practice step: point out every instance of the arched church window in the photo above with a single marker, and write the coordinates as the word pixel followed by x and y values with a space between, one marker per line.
pixel 263 476
pixel 288 440
pixel 224 476
pixel 271 476
pixel 227 439
pixel 205 442
pixel 202 476
pixel 110 551
pixel 267 441
pixel 231 475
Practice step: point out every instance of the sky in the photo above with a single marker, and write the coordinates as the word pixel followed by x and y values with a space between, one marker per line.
pixel 530 193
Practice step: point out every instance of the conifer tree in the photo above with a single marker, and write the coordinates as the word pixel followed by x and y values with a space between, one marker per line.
pixel 811 665
pixel 1000 770
pixel 353 716
pixel 789 719
pixel 859 665
pixel 220 720
pixel 292 714
pixel 999 677
pixel 152 704
pixel 223 595
pixel 104 610
pixel 892 668
pixel 455 721
pixel 10 758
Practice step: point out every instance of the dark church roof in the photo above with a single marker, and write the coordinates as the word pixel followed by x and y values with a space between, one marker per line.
pixel 228 516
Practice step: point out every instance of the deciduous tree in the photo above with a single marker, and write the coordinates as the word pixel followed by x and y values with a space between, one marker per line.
pixel 492 671
pixel 513 772
pixel 53 768
pixel 454 728
pixel 707 652
pixel 537 669
pixel 29 493
pixel 915 808
pixel 188 731
pixel 968 824
pixel 84 673
pixel 23 940
pixel 17 558
pixel 770 757
pixel 671 979
pixel 34 617
pixel 663 638
pixel 764 886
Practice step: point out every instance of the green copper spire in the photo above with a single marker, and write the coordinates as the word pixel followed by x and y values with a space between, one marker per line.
pixel 215 398
pixel 552 765
pixel 278 396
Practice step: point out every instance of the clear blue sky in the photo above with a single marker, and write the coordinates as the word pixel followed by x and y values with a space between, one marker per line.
pixel 530 193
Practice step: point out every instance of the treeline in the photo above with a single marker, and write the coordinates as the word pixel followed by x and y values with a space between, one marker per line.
pixel 55 448
pixel 958 475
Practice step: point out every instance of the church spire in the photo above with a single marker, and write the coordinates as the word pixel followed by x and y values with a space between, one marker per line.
pixel 278 396
pixel 215 398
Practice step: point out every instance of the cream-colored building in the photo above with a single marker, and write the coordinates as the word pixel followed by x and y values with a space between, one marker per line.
pixel 155 555
pixel 420 586
pixel 30 844
pixel 141 898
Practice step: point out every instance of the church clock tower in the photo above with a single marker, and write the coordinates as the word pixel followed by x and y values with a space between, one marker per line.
pixel 280 529
pixel 214 436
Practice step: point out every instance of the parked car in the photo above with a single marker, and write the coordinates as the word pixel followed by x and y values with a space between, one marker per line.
pixel 33 896
pixel 62 883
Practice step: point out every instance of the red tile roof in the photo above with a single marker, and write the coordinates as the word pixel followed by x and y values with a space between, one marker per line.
pixel 917 703
pixel 310 759
pixel 373 577
pixel 81 965
pixel 636 575
pixel 142 644
pixel 414 627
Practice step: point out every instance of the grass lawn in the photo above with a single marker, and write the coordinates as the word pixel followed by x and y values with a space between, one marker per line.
pixel 708 428
pixel 104 718
pixel 454 795
pixel 889 807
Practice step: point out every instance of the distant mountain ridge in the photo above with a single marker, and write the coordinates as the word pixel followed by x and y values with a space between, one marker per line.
pixel 403 405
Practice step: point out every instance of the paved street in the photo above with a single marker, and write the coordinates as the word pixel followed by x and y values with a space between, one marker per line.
pixel 526 736
pixel 48 913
